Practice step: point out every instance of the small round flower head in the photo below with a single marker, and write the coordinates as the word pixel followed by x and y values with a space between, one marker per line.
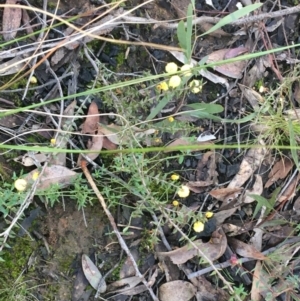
pixel 171 119
pixel 183 191
pixel 187 68
pixel 174 177
pixel 33 80
pixel 35 175
pixel 198 226
pixel 52 141
pixel 209 214
pixel 175 203
pixel 195 86
pixel 174 81
pixel 162 86
pixel 171 68
pixel 20 184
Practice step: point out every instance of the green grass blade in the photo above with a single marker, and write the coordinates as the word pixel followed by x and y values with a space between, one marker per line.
pixel 293 144
pixel 234 16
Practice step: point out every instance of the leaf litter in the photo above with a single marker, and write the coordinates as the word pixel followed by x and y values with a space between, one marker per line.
pixel 243 204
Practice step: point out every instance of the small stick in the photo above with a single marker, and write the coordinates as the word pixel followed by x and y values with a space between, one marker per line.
pixel 115 228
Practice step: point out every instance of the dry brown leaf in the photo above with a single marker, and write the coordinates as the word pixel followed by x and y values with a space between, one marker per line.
pixel 12 66
pixel 254 98
pixel 177 290
pixel 260 279
pixel 290 191
pixel 197 186
pixel 26 23
pixel 113 133
pixel 107 144
pixel 92 273
pixel 213 250
pixel 279 171
pixel 118 286
pixel 250 163
pixel 256 189
pixel 54 174
pixel 204 27
pixel 225 194
pixel 94 145
pixel 91 122
pixel 11 21
pixel 222 215
pixel 233 70
pixel 245 250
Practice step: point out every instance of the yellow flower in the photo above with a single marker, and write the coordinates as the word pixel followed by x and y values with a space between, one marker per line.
pixel 174 177
pixel 209 214
pixel 171 119
pixel 52 141
pixel 171 68
pixel 186 67
pixel 33 80
pixel 35 175
pixel 162 86
pixel 195 86
pixel 198 226
pixel 20 184
pixel 183 191
pixel 174 81
pixel 175 203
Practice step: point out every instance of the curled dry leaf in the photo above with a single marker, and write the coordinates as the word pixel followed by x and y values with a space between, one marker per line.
pixel 290 191
pixel 225 194
pixel 213 250
pixel 54 174
pixel 279 171
pixel 245 250
pixel 233 70
pixel 256 189
pixel 11 21
pixel 92 274
pixel 177 290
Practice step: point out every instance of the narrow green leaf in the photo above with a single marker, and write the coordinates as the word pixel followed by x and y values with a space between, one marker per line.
pixel 210 108
pixel 293 143
pixel 158 108
pixel 233 17
pixel 261 201
pixel 241 120
pixel 189 29
pixel 181 34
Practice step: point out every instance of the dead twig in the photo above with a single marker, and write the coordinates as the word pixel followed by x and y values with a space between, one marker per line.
pixel 115 228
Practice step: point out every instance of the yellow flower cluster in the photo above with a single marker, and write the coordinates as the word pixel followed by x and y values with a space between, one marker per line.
pixel 175 80
pixel 199 226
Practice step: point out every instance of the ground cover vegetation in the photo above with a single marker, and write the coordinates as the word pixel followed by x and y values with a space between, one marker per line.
pixel 149 151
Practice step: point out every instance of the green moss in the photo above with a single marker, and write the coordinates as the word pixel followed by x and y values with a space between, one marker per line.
pixel 16 258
